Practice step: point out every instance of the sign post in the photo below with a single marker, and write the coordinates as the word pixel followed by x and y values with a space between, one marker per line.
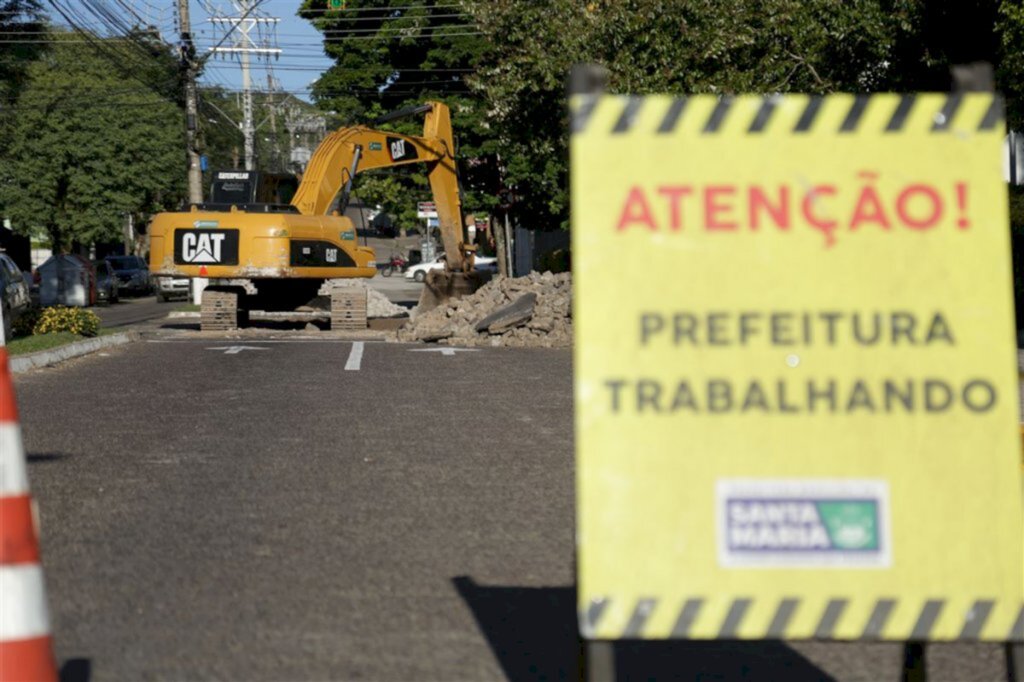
pixel 796 381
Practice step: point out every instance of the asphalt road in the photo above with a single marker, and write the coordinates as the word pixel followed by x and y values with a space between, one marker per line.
pixel 132 311
pixel 398 289
pixel 210 512
pixel 139 311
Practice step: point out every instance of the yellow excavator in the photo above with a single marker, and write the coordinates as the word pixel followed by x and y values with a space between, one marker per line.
pixel 264 250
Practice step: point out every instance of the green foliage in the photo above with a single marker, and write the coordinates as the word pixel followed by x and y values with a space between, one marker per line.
pixel 221 138
pixel 26 322
pixel 707 46
pixel 516 136
pixel 1016 210
pixel 393 53
pixel 89 144
pixel 59 318
pixel 34 344
pixel 19 18
pixel 559 260
pixel 1010 71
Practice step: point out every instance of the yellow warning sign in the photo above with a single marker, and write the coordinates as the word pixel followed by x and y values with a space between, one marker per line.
pixel 796 385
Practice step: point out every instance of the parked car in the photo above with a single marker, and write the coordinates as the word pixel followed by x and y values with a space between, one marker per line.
pixel 418 272
pixel 485 264
pixel 171 287
pixel 107 283
pixel 480 264
pixel 132 272
pixel 14 294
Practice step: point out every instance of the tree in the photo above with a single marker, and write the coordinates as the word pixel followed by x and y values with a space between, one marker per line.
pixel 1009 25
pixel 21 24
pixel 393 53
pixel 89 146
pixel 221 135
pixel 707 46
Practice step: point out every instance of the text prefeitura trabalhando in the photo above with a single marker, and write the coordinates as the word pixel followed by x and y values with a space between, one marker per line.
pixel 786 392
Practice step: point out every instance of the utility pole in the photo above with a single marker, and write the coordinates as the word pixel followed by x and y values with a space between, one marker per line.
pixel 241 28
pixel 278 163
pixel 248 128
pixel 187 62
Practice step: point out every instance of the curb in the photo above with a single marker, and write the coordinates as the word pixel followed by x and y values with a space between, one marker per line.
pixel 45 358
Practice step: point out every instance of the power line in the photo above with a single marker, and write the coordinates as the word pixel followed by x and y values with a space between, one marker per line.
pixel 391 18
pixel 243 45
pixel 129 62
pixel 348 10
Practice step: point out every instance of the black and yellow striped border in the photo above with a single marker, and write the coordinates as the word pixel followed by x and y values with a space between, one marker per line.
pixel 971 622
pixel 753 115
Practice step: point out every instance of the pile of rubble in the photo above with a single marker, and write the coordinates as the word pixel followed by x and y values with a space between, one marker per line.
pixel 377 304
pixel 531 311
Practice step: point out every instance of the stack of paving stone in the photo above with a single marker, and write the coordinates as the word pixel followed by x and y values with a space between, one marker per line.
pixel 220 311
pixel 531 311
pixel 348 308
pixel 377 304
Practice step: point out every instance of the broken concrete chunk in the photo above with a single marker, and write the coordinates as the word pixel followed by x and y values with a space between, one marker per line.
pixel 543 324
pixel 433 332
pixel 491 316
pixel 509 316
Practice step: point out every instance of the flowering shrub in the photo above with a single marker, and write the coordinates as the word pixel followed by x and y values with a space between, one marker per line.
pixel 59 318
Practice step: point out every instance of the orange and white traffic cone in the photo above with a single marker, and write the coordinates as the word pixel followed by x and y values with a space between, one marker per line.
pixel 26 648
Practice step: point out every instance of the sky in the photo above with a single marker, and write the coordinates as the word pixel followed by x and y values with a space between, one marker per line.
pixel 301 60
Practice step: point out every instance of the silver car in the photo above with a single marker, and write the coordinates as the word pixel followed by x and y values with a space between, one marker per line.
pixel 171 287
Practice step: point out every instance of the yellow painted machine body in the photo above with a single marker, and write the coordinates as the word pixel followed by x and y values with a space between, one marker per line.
pixel 294 241
pixel 269 246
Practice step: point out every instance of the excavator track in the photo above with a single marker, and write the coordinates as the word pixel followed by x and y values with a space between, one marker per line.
pixel 221 311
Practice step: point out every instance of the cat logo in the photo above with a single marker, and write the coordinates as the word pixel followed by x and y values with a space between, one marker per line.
pixel 397 149
pixel 201 248
pixel 401 149
pixel 206 247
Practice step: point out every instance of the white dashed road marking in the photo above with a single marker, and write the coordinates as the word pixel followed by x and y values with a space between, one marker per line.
pixel 235 350
pixel 355 357
pixel 443 351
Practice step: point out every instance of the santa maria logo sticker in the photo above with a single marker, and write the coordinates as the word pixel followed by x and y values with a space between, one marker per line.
pixel 794 523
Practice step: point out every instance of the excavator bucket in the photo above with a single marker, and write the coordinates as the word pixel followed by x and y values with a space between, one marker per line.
pixel 440 286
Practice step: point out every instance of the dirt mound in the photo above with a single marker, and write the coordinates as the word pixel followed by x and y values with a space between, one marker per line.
pixel 532 311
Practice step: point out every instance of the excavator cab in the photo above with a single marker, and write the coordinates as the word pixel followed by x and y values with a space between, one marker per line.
pixel 247 187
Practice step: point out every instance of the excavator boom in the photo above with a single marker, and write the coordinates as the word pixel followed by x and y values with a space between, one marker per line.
pixel 349 151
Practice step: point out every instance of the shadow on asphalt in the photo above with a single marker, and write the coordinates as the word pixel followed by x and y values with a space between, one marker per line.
pixel 76 670
pixel 43 457
pixel 532 632
pixel 374 324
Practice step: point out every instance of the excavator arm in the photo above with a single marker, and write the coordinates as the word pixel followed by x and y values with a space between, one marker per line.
pixel 349 151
